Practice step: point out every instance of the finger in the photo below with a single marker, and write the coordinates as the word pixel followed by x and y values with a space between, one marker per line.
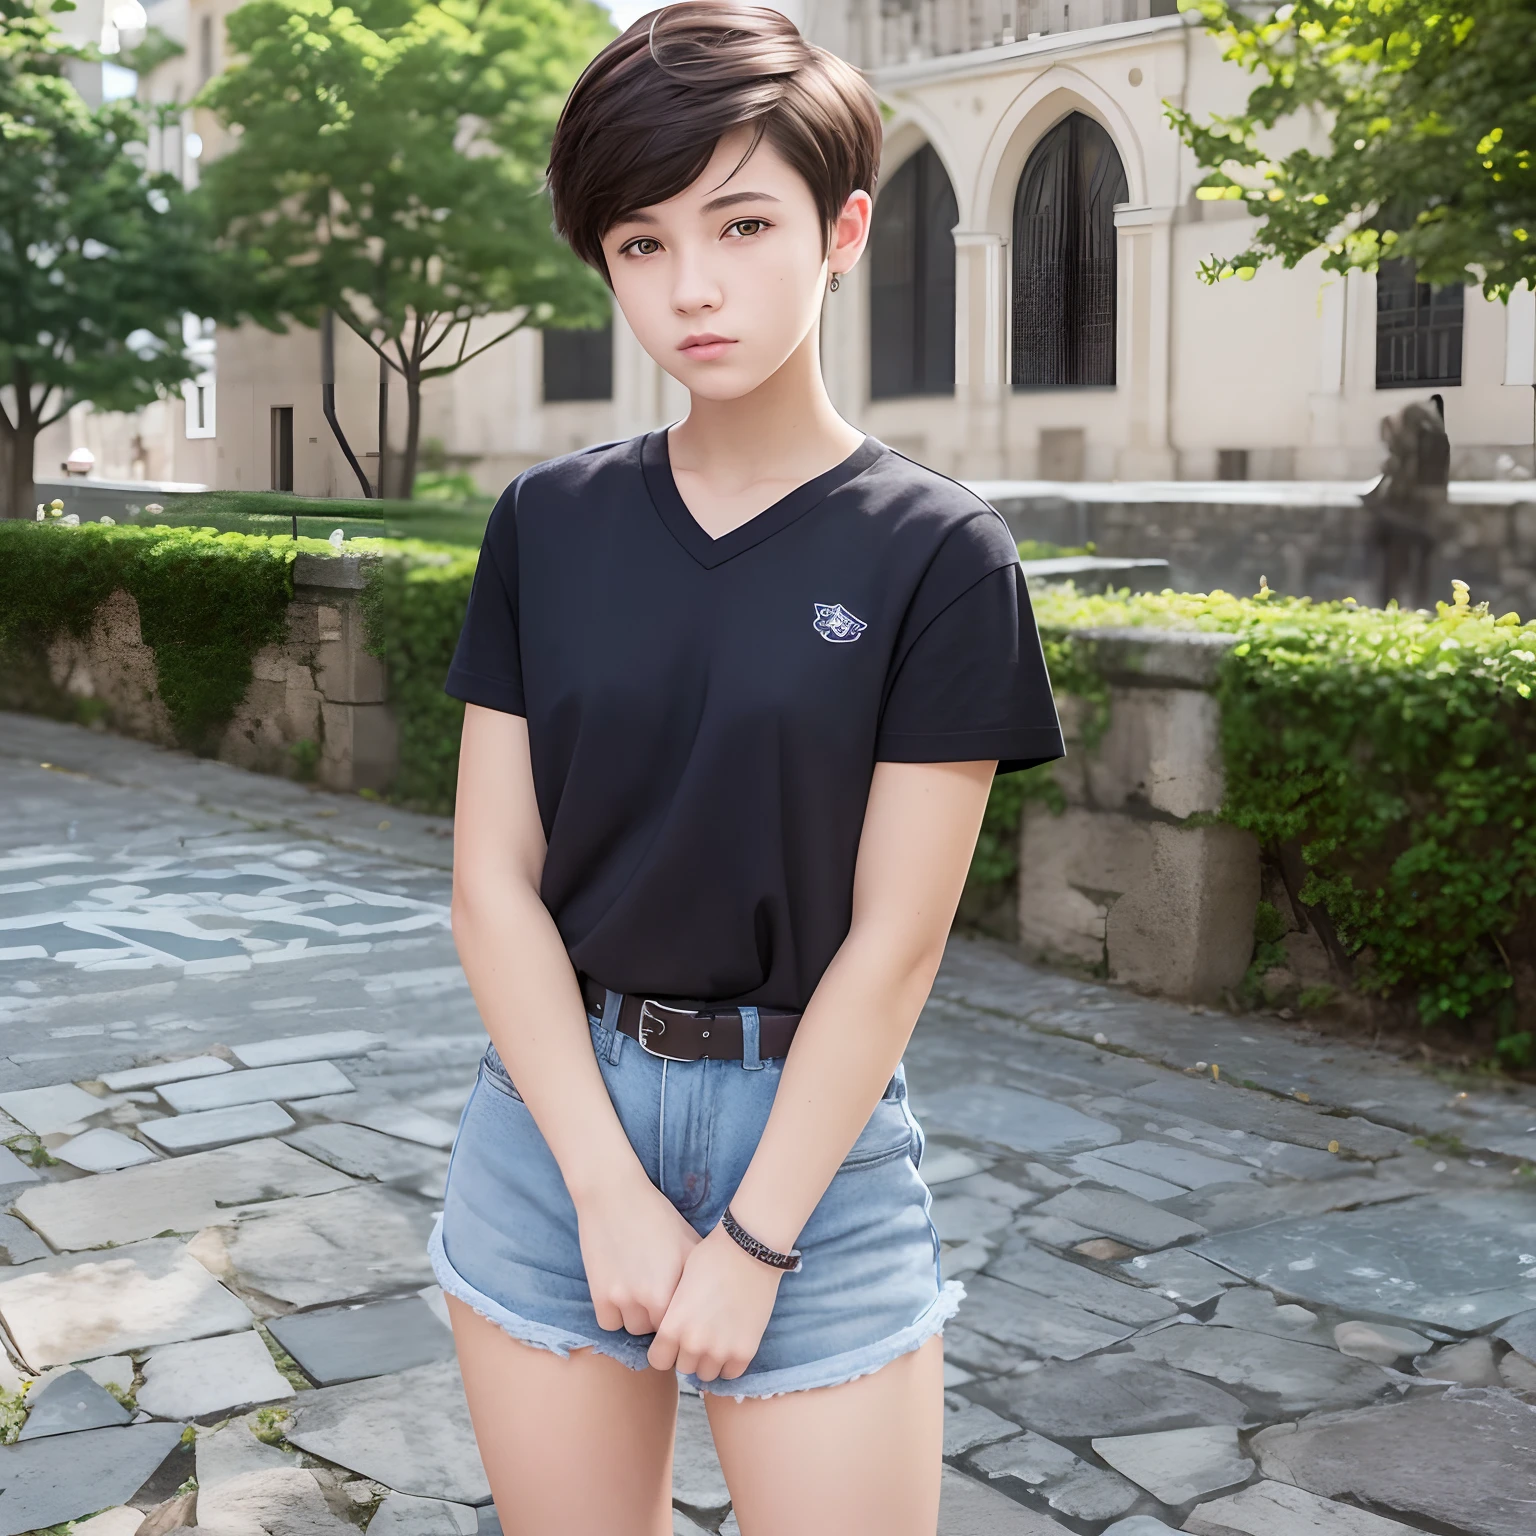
pixel 662 1355
pixel 707 1368
pixel 609 1317
pixel 733 1368
pixel 637 1319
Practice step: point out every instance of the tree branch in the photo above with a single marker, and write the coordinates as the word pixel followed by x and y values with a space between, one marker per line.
pixel 438 372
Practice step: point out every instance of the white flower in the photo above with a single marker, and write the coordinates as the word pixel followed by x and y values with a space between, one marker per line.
pixel 338 538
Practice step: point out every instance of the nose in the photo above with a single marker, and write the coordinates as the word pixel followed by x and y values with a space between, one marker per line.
pixel 695 288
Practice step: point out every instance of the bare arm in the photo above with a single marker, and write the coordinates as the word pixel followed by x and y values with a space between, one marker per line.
pixel 919 831
pixel 633 1240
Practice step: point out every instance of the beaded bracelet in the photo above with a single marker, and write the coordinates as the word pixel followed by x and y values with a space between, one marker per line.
pixel 789 1262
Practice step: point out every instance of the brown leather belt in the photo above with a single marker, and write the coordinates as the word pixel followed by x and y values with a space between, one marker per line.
pixel 705 1033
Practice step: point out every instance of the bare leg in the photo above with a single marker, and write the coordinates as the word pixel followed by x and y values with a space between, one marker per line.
pixel 863 1456
pixel 580 1446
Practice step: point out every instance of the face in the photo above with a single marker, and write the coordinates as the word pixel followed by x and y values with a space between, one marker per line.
pixel 723 283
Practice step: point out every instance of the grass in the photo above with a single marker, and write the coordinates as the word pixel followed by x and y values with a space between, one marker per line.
pixel 272 513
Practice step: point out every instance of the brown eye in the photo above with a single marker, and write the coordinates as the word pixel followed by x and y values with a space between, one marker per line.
pixel 644 246
pixel 746 227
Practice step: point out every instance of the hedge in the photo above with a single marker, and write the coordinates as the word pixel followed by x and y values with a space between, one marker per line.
pixel 207 601
pixel 272 513
pixel 1393 753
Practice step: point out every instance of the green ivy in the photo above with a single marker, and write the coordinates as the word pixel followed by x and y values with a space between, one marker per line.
pixel 413 606
pixel 207 603
pixel 1398 750
pixel 995 864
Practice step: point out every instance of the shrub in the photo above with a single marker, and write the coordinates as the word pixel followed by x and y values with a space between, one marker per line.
pixel 1397 750
pixel 414 604
pixel 207 603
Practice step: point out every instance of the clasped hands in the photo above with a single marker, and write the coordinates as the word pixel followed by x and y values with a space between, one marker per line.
pixel 706 1299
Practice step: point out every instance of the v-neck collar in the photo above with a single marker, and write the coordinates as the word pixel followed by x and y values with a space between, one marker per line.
pixel 656 466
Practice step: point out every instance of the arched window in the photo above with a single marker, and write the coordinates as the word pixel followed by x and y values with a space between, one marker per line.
pixel 1064 259
pixel 912 282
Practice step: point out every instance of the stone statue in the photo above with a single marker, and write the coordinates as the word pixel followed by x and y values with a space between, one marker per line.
pixel 1409 500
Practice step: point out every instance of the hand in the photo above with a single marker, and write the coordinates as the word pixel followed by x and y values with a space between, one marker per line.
pixel 634 1245
pixel 718 1312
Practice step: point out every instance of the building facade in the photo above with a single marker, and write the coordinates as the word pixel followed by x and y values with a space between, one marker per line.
pixel 1029 307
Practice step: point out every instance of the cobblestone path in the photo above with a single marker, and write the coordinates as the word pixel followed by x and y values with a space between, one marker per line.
pixel 1223 1276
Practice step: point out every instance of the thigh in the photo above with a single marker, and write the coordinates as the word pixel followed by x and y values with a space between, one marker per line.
pixel 580 1445
pixel 863 1455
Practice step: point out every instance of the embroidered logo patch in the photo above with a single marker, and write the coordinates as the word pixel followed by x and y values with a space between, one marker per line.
pixel 835 623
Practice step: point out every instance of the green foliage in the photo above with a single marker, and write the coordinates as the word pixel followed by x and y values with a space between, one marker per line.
pixel 389 166
pixel 269 1426
pixel 305 753
pixel 272 513
pixel 1042 549
pixel 1418 122
pixel 414 605
pixel 207 603
pixel 1398 751
pixel 287 1367
pixel 443 485
pixel 152 50
pixel 1268 925
pixel 13 1413
pixel 995 863
pixel 99 258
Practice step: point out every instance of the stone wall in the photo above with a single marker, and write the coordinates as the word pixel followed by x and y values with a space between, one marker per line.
pixel 1132 879
pixel 319 686
pixel 1308 539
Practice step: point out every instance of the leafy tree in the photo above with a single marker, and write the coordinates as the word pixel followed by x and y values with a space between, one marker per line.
pixel 98 259
pixel 1422 141
pixel 387 164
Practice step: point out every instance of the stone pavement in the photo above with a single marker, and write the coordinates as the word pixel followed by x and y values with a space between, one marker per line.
pixel 1223 1277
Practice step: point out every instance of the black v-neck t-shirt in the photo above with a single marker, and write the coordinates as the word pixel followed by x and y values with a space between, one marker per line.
pixel 705 715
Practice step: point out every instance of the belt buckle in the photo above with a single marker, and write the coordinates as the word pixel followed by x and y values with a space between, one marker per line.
pixel 653 1024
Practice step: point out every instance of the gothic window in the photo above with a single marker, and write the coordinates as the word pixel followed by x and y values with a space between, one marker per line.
pixel 578 364
pixel 912 282
pixel 1064 259
pixel 1418 329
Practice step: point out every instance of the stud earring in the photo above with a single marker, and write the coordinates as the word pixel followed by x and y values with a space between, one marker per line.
pixel 836 281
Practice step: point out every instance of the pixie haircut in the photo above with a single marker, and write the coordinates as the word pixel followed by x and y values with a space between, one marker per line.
pixel 643 120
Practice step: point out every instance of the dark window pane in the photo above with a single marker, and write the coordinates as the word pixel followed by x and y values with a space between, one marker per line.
pixel 1064 258
pixel 912 282
pixel 1418 329
pixel 578 365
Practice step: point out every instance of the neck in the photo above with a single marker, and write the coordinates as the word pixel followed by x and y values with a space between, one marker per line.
pixel 787 428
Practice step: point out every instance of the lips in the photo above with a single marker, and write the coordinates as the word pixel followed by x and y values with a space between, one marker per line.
pixel 705 346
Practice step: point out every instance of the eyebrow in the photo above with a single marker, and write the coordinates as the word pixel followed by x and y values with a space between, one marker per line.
pixel 714 205
pixel 731 199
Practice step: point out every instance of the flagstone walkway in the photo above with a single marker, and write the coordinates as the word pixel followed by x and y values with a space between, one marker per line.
pixel 1223 1276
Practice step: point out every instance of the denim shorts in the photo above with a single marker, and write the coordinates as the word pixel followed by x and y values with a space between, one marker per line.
pixel 869 1287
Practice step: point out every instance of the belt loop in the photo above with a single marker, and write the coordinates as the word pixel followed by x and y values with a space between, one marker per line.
pixel 613 1041
pixel 751 1059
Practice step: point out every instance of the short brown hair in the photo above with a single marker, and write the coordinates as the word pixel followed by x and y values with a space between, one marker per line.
pixel 644 118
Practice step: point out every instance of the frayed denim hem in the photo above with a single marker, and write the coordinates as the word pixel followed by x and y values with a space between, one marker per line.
pixel 848 1366
pixel 525 1330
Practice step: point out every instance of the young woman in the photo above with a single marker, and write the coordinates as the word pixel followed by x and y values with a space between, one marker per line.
pixel 736 694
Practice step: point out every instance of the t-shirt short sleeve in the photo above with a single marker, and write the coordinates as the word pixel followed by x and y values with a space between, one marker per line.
pixel 969 680
pixel 487 663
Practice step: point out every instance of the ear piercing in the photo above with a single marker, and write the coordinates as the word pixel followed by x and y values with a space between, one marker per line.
pixel 836 281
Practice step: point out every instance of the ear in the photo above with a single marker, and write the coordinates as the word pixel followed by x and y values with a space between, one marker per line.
pixel 850 234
